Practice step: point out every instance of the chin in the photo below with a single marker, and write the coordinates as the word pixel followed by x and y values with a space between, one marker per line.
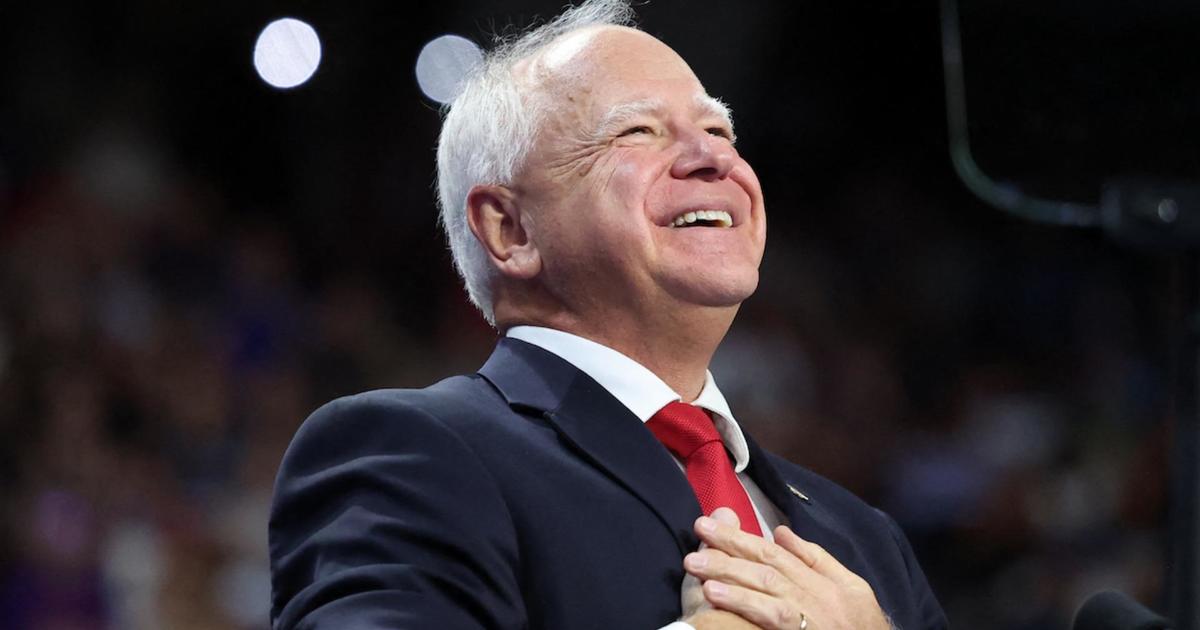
pixel 717 290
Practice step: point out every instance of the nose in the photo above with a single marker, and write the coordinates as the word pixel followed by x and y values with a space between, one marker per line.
pixel 704 156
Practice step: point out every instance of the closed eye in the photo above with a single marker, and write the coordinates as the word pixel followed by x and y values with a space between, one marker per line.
pixel 636 130
pixel 721 132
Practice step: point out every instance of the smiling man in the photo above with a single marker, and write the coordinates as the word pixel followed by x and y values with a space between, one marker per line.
pixel 590 475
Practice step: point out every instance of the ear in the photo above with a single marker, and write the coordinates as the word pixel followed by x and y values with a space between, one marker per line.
pixel 495 218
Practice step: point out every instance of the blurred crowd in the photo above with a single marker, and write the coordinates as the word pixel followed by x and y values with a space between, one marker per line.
pixel 1002 390
pixel 154 363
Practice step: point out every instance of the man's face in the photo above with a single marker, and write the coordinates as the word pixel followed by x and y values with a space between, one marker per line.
pixel 630 148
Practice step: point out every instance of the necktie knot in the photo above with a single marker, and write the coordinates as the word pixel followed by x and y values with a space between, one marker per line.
pixel 683 428
pixel 688 432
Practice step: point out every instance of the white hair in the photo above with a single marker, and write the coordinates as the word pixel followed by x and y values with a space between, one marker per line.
pixel 488 131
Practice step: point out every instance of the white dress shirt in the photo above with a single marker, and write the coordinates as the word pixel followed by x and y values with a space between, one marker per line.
pixel 644 394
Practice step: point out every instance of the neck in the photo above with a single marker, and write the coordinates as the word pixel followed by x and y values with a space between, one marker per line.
pixel 676 347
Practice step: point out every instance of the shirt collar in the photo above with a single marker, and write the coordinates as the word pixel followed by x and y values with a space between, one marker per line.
pixel 636 387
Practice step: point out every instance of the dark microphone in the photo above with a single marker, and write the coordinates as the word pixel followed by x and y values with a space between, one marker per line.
pixel 1110 610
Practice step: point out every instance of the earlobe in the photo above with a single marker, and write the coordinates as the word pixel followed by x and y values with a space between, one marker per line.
pixel 495 217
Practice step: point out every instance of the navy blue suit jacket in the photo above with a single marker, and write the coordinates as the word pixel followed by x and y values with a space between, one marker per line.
pixel 524 496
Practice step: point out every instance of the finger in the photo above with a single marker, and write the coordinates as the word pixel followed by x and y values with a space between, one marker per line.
pixel 739 544
pixel 714 564
pixel 727 516
pixel 691 592
pixel 762 610
pixel 813 555
pixel 691 596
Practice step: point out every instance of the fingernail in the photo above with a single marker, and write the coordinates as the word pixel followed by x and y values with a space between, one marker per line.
pixel 707 524
pixel 696 561
pixel 716 588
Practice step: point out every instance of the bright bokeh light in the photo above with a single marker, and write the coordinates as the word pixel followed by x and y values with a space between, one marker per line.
pixel 443 63
pixel 287 53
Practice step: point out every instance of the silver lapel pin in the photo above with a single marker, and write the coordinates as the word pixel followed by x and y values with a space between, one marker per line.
pixel 803 497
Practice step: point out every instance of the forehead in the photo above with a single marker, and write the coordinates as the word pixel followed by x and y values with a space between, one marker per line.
pixel 603 67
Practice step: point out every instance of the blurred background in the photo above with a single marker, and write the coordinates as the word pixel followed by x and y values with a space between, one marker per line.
pixel 192 260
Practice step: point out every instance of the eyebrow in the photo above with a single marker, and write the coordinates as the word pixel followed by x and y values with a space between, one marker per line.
pixel 625 112
pixel 703 104
pixel 712 106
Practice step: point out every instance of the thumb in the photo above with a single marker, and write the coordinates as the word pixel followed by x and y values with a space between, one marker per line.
pixel 727 516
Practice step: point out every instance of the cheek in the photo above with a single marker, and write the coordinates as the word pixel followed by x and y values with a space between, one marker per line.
pixel 747 180
pixel 627 183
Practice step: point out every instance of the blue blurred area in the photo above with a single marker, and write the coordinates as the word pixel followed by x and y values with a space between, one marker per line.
pixel 191 261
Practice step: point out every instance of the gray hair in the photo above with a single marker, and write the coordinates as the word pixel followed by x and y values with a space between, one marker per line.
pixel 488 131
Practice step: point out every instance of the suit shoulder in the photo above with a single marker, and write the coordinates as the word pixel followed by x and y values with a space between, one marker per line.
pixel 379 421
pixel 368 522
pixel 446 398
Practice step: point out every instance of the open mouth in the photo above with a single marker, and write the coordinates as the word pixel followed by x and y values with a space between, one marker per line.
pixel 703 218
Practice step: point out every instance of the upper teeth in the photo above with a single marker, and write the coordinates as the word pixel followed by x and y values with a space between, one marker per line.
pixel 720 216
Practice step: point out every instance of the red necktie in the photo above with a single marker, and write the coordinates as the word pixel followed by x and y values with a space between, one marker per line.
pixel 688 432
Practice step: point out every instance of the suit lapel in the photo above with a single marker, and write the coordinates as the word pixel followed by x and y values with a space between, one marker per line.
pixel 809 516
pixel 602 430
pixel 776 489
